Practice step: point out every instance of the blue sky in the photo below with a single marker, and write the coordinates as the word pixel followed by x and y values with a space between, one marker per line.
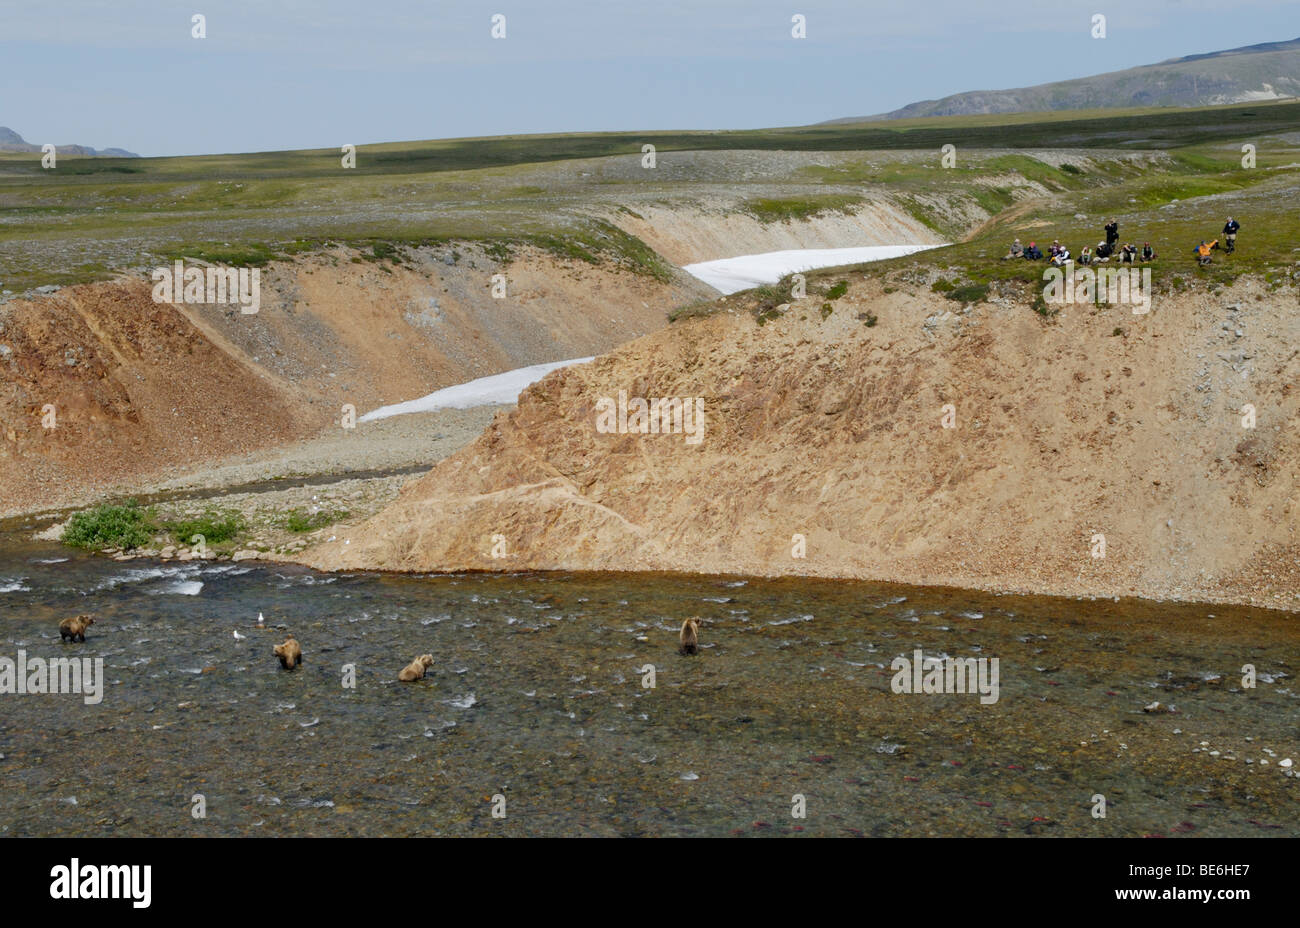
pixel 279 74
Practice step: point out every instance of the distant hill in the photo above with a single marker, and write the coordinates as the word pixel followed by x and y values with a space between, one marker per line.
pixel 12 141
pixel 1241 75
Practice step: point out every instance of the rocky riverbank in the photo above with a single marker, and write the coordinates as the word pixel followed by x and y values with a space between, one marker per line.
pixel 287 500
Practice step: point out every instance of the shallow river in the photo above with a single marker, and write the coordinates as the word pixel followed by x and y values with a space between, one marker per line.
pixel 537 696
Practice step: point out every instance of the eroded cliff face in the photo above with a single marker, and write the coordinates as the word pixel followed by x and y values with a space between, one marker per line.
pixel 832 431
pixel 142 390
pixel 685 235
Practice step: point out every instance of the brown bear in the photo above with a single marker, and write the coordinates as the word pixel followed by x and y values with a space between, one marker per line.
pixel 415 670
pixel 290 653
pixel 75 627
pixel 690 636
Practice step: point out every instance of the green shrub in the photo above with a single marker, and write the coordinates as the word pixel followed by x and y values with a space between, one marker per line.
pixel 127 526
pixel 300 521
pixel 251 254
pixel 827 309
pixel 837 291
pixel 498 251
pixel 693 310
pixel 382 250
pixel 942 286
pixel 771 296
pixel 214 526
pixel 972 293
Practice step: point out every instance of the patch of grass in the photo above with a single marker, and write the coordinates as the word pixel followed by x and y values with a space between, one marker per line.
pixel 826 310
pixel 774 209
pixel 601 240
pixel 971 293
pixel 215 526
pixel 126 526
pixel 928 216
pixel 498 251
pixel 250 254
pixel 695 310
pixel 995 199
pixel 942 285
pixel 87 166
pixel 566 247
pixel 838 290
pixel 385 251
pixel 300 521
pixel 770 296
pixel 637 256
pixel 869 319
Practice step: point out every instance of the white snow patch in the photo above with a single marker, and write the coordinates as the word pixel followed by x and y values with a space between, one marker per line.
pixel 731 275
pixel 485 391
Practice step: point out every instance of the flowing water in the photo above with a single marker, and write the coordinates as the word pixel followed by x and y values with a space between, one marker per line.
pixel 537 695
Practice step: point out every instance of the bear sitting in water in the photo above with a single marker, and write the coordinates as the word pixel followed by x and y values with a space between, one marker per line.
pixel 415 670
pixel 690 636
pixel 75 627
pixel 290 653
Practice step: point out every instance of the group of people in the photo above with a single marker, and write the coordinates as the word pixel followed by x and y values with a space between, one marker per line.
pixel 1128 253
pixel 1059 255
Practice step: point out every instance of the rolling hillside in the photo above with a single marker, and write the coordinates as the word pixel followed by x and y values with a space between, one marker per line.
pixel 1270 71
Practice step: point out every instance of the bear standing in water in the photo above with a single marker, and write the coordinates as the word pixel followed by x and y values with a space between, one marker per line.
pixel 690 636
pixel 415 670
pixel 290 653
pixel 75 627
